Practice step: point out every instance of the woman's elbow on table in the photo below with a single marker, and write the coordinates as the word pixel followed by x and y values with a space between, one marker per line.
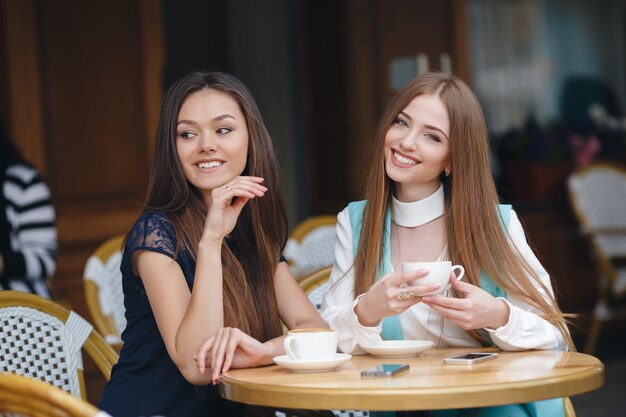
pixel 188 368
pixel 192 375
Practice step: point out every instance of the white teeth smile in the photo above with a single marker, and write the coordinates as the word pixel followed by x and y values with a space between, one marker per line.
pixel 207 165
pixel 403 160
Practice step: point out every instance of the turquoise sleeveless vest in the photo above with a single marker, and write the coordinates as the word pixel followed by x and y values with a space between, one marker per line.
pixel 391 325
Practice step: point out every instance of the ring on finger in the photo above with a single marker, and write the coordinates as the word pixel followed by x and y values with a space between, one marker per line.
pixel 405 294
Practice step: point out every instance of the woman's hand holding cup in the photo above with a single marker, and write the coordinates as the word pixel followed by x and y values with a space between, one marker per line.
pixel 391 295
pixel 477 309
pixel 437 272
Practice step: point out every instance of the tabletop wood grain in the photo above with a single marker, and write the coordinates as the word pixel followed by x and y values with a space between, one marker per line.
pixel 513 377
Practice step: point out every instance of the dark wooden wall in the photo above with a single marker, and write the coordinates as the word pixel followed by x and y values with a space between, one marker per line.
pixel 349 48
pixel 82 91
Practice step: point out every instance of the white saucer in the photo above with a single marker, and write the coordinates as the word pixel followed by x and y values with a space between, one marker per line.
pixel 312 366
pixel 398 348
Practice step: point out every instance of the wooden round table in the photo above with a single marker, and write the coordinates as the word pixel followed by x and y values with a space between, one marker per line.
pixel 514 377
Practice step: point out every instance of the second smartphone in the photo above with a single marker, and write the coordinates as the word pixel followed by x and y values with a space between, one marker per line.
pixel 470 358
pixel 385 370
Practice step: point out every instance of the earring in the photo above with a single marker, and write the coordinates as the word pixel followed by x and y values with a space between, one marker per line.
pixel 447 171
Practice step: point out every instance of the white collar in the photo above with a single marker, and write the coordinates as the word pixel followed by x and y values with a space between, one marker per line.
pixel 417 213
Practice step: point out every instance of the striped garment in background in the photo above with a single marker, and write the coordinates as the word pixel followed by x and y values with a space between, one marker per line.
pixel 28 236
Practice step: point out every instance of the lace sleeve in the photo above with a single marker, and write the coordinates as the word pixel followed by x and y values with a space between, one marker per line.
pixel 154 232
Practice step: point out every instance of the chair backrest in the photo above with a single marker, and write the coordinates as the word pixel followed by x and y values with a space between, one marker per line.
pixel 103 290
pixel 21 396
pixel 316 284
pixel 41 339
pixel 597 194
pixel 311 245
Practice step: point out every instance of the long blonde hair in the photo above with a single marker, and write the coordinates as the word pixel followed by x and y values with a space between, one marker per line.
pixel 474 234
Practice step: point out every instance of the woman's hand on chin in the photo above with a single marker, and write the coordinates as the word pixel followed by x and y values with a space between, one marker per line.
pixel 226 203
pixel 231 348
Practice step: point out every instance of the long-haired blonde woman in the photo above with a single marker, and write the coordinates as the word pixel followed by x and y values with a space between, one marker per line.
pixel 203 261
pixel 430 196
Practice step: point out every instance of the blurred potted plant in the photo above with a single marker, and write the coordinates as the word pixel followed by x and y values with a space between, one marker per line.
pixel 538 158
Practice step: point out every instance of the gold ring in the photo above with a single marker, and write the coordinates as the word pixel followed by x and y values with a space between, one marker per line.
pixel 405 294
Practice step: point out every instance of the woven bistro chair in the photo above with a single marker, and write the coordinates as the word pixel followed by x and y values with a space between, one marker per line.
pixel 41 339
pixel 316 284
pixel 311 245
pixel 103 290
pixel 22 396
pixel 597 194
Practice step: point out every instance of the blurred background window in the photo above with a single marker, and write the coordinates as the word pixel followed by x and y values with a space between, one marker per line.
pixel 547 60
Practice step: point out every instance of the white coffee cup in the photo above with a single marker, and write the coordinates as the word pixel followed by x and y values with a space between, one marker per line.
pixel 311 344
pixel 437 272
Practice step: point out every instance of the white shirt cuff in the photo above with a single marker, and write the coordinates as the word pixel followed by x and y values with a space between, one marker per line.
pixel 369 329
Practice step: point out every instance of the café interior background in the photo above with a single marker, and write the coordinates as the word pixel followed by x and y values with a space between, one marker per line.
pixel 81 84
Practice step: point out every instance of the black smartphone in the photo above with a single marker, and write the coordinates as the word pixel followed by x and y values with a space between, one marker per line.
pixel 470 358
pixel 385 369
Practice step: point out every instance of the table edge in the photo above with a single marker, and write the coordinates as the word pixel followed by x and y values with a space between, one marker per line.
pixel 398 399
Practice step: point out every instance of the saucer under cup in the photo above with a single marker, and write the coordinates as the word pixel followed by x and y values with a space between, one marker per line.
pixel 312 366
pixel 398 348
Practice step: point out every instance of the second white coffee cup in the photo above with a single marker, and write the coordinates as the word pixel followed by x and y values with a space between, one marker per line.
pixel 311 344
pixel 437 272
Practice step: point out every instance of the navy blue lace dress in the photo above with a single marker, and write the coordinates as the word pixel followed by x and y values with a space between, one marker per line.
pixel 145 381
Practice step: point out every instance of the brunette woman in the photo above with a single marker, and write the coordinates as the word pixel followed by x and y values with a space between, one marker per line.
pixel 204 258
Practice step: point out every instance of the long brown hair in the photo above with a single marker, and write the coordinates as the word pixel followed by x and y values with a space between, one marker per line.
pixel 474 235
pixel 261 231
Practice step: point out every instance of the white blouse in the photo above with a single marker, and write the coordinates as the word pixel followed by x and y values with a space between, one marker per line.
pixel 524 330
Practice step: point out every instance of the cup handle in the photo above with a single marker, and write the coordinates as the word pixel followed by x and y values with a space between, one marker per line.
pixel 290 347
pixel 460 268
